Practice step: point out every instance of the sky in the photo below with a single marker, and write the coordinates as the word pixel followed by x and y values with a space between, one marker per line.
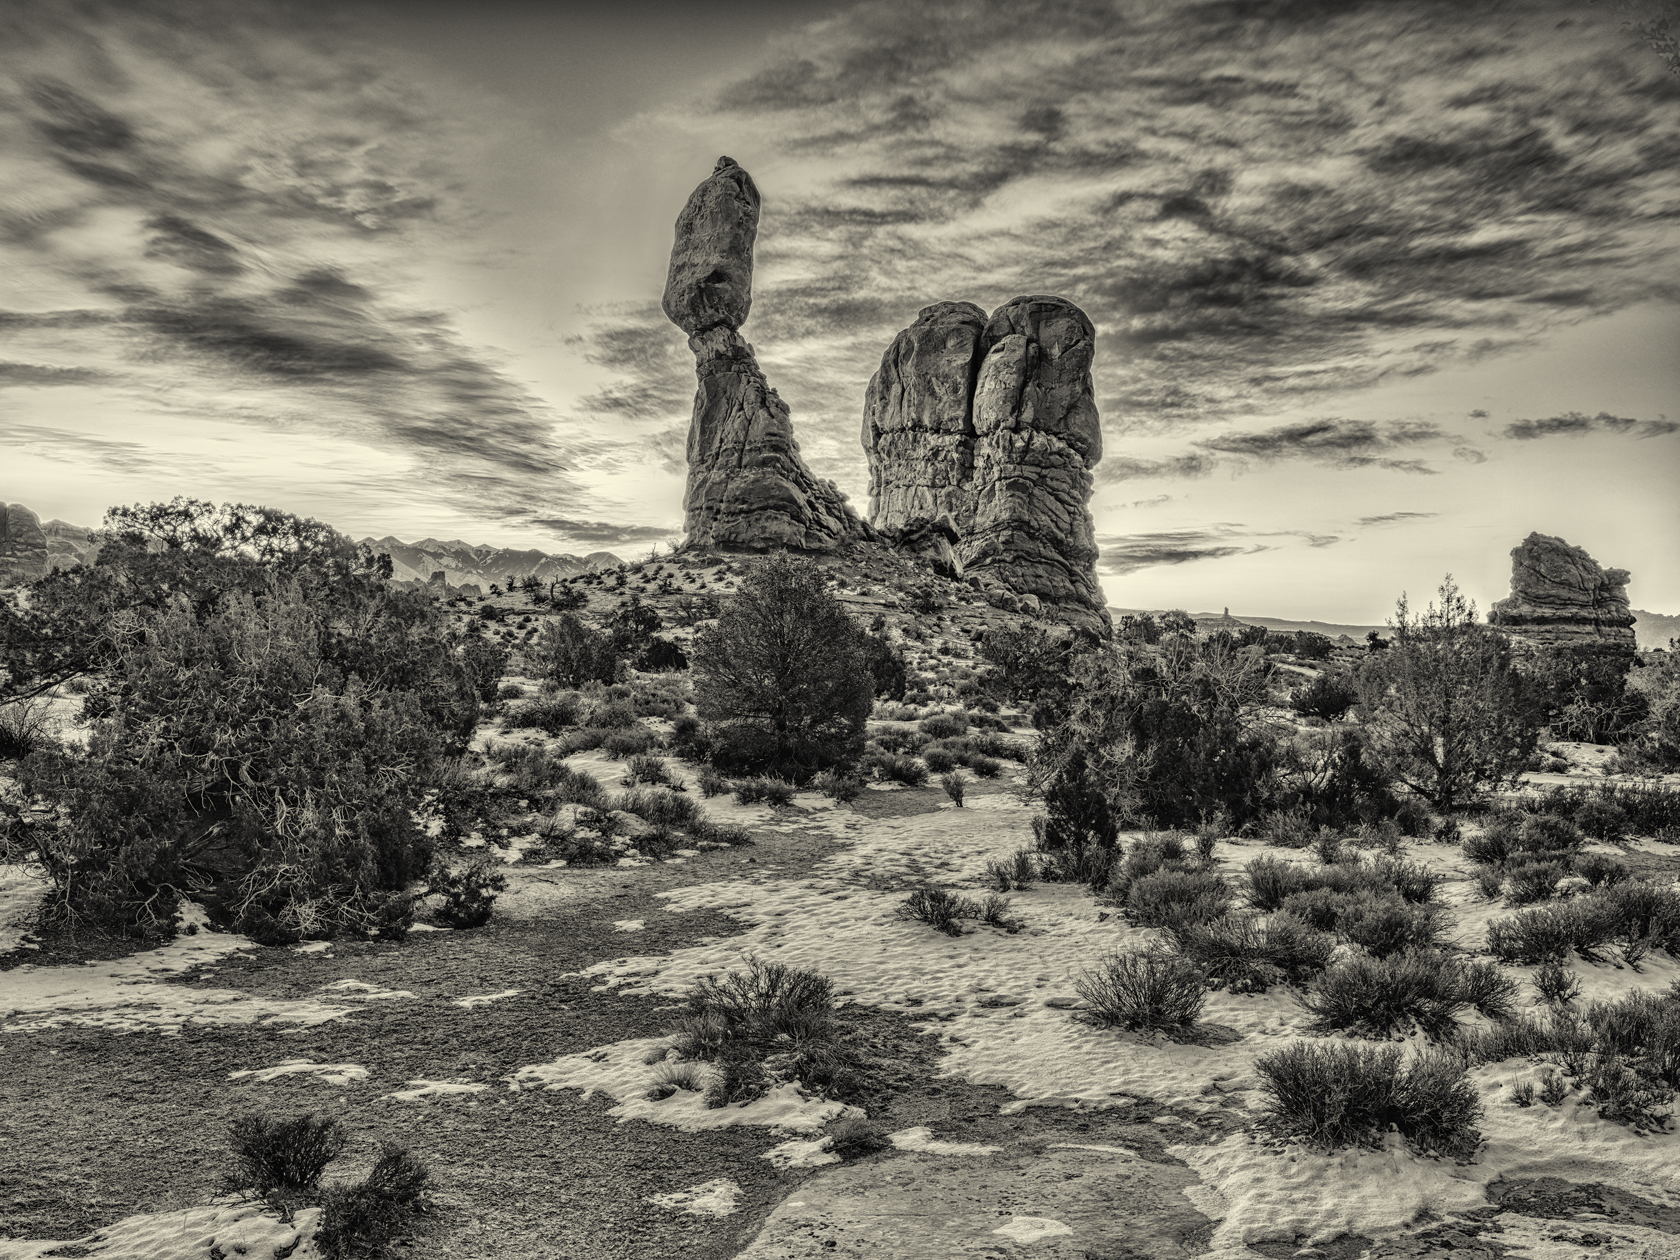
pixel 1379 288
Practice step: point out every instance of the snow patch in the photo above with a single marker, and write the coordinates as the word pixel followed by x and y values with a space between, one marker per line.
pixel 236 1228
pixel 629 925
pixel 480 999
pixel 798 1154
pixel 418 1090
pixel 921 1139
pixel 720 1197
pixel 1025 1229
pixel 330 1073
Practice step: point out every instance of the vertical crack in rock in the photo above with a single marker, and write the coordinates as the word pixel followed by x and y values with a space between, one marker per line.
pixel 1561 596
pixel 747 485
pixel 985 429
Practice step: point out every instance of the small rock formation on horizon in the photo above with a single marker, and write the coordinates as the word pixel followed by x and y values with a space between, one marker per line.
pixel 747 485
pixel 983 430
pixel 1561 597
pixel 24 551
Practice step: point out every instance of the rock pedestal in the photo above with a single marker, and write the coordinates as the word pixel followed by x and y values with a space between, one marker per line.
pixel 991 422
pixel 747 485
pixel 1561 597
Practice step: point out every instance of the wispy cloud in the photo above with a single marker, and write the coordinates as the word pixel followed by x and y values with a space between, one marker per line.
pixel 228 207
pixel 1120 554
pixel 1248 221
pixel 1390 517
pixel 1578 424
pixel 604 533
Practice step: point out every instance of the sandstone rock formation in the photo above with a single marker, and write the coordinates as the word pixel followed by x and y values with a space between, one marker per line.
pixel 990 423
pixel 747 485
pixel 23 546
pixel 1560 597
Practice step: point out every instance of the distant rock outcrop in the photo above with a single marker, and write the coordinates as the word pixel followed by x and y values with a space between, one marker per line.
pixel 991 423
pixel 1560 596
pixel 24 554
pixel 747 485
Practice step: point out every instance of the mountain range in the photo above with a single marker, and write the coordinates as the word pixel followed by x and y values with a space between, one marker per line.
pixel 29 549
pixel 472 564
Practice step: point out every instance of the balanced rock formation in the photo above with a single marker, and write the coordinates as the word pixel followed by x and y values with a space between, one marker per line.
pixel 988 423
pixel 1561 597
pixel 24 552
pixel 747 485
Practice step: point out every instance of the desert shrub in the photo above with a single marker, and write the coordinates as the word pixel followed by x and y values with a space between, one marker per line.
pixel 984 766
pixel 1501 834
pixel 720 834
pixel 628 741
pixel 939 760
pixel 736 1078
pixel 1385 924
pixel 781 679
pixel 1327 846
pixel 1549 833
pixel 854 1138
pixel 285 1155
pixel 1622 1093
pixel 713 784
pixel 1145 856
pixel 896 769
pixel 1170 734
pixel 580 739
pixel 363 1220
pixel 568 652
pixel 1143 989
pixel 645 769
pixel 255 746
pixel 837 786
pixel 1173 899
pixel 943 725
pixel 1091 864
pixel 1635 915
pixel 758 1005
pixel 1015 873
pixel 1248 954
pixel 1546 934
pixel 1555 983
pixel 612 715
pixel 1602 819
pixel 1337 1095
pixel 955 786
pixel 1600 870
pixel 766 790
pixel 1329 696
pixel 1271 880
pixel 659 807
pixel 469 894
pixel 1446 711
pixel 938 909
pixel 24 727
pixel 1287 828
pixel 1375 997
pixel 1530 881
pixel 993 910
